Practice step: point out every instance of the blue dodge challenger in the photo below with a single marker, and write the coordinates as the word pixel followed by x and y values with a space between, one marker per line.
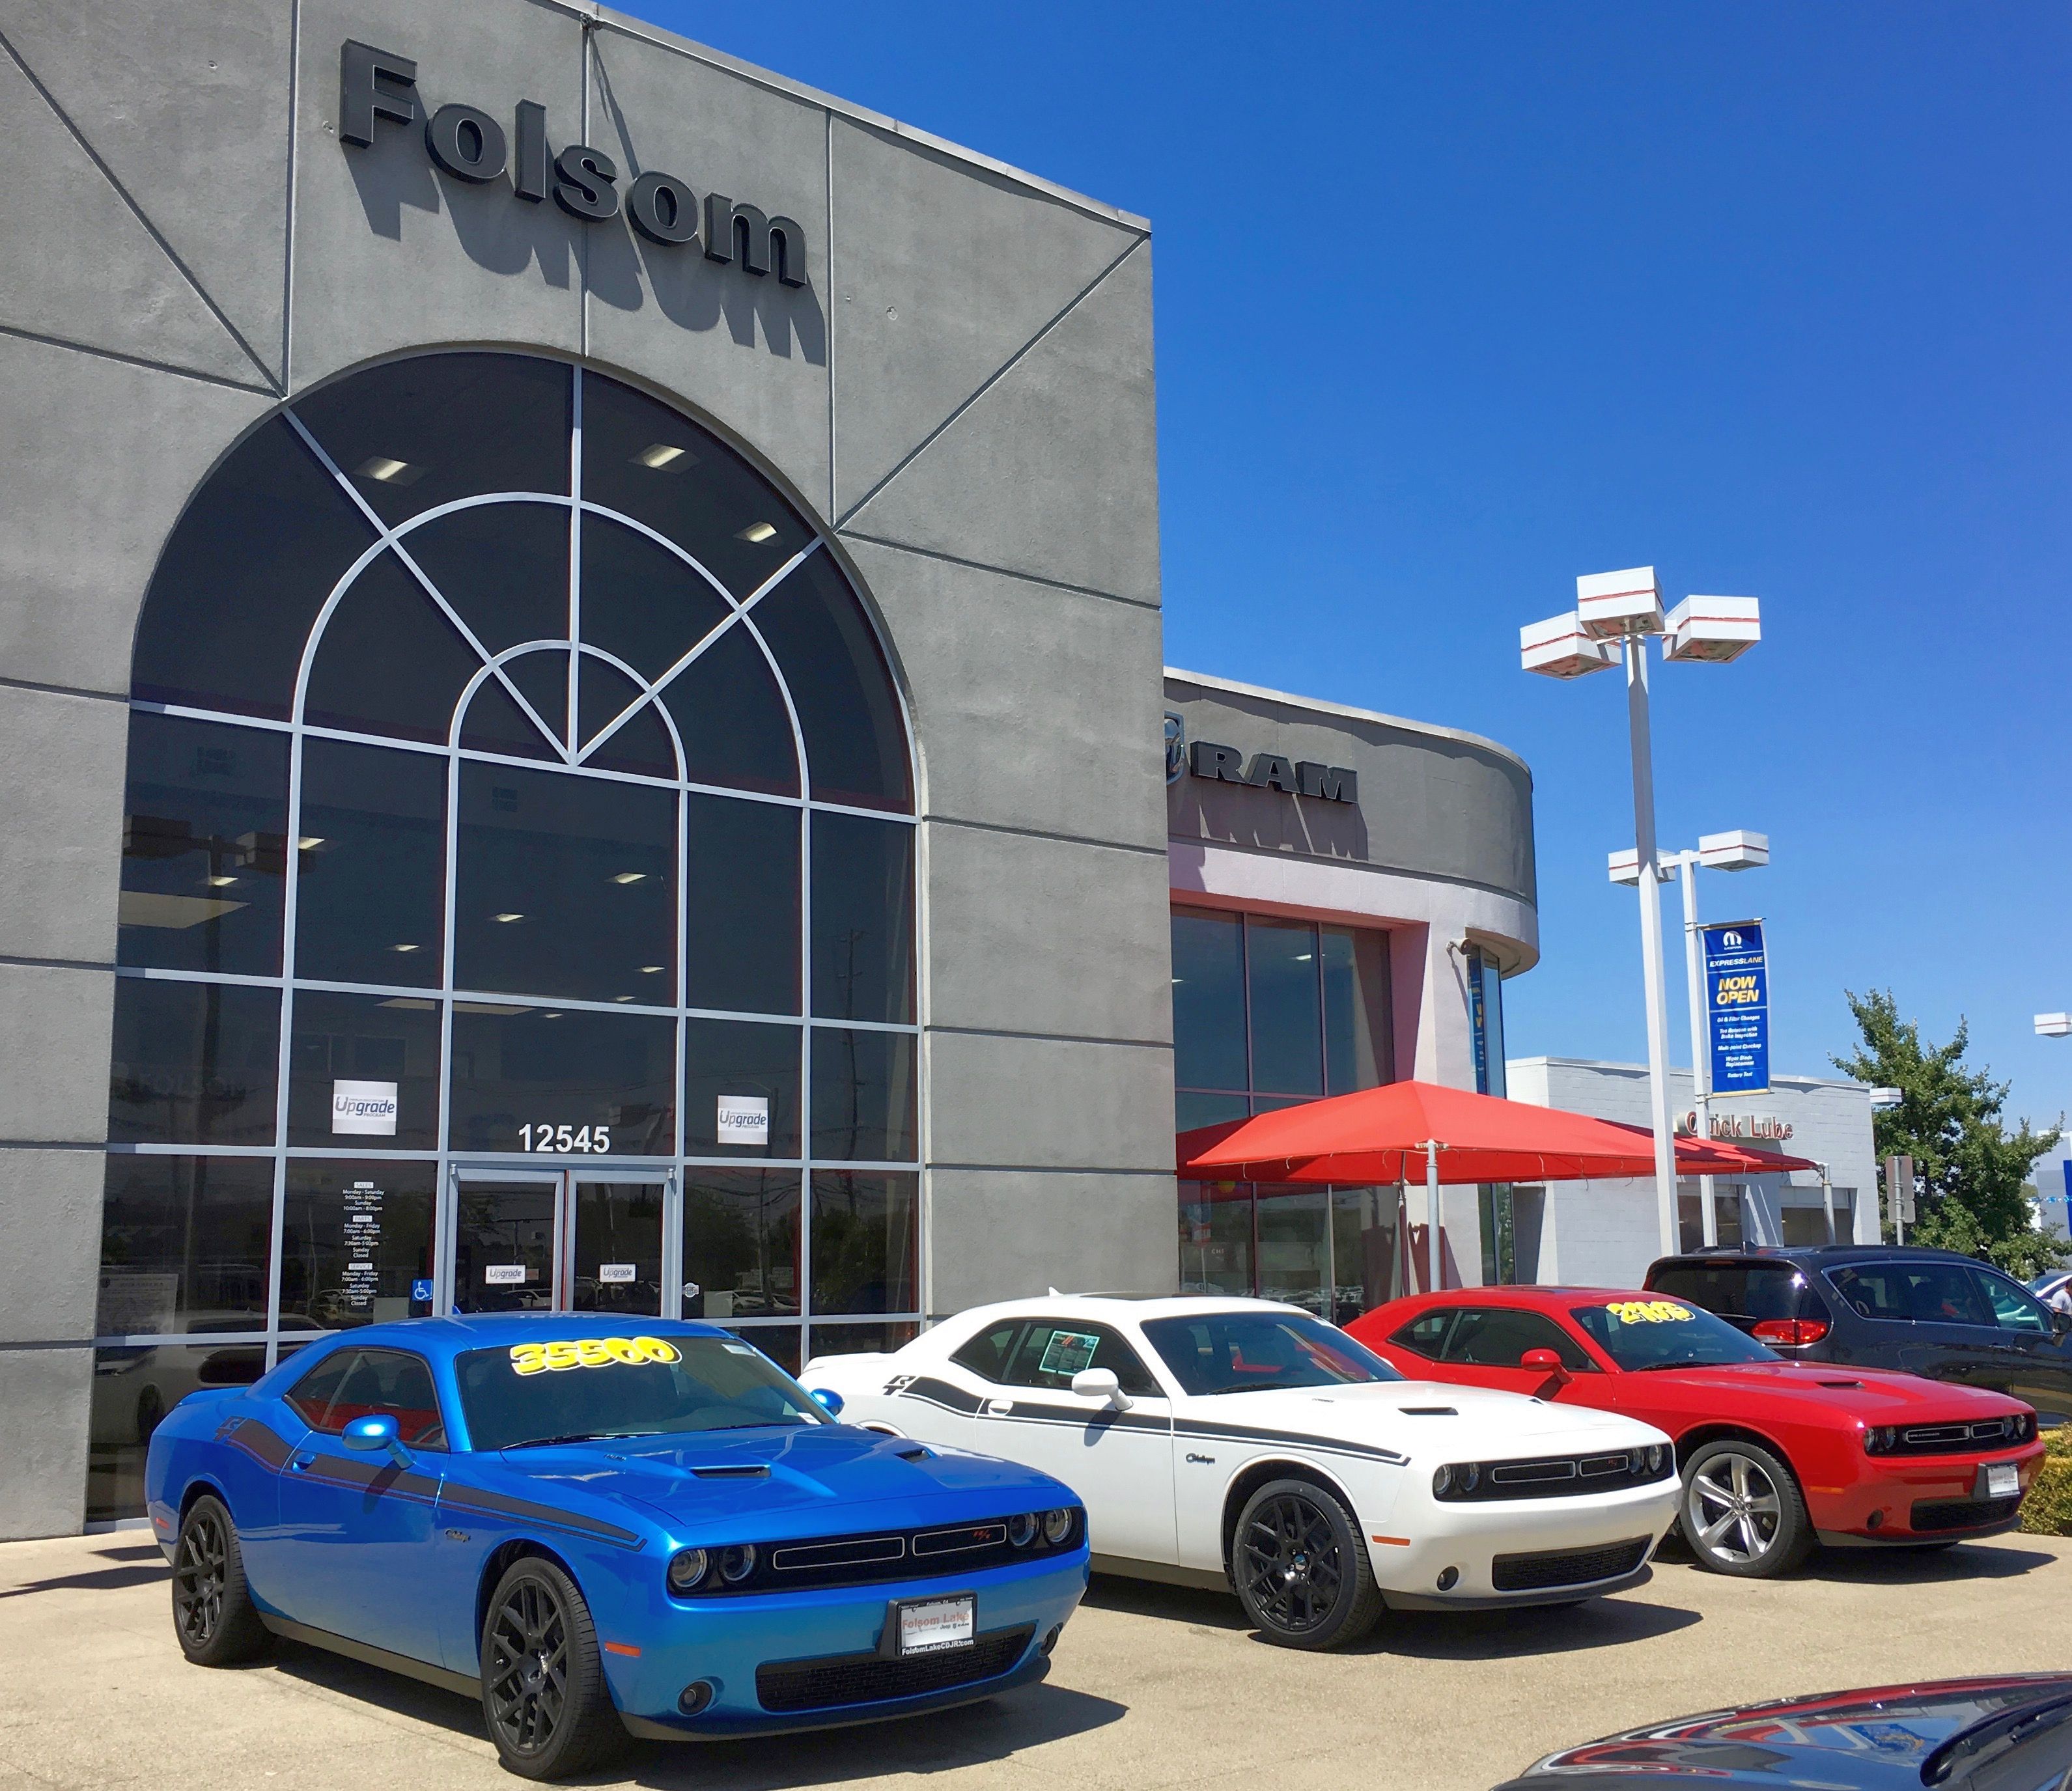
pixel 600 1525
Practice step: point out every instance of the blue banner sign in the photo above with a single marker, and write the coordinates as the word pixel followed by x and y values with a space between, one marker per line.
pixel 1737 1008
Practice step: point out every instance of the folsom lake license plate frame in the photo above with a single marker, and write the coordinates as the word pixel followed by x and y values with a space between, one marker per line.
pixel 930 1625
pixel 2000 1480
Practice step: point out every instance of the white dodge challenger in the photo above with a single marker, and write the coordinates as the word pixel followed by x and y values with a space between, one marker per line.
pixel 1247 1445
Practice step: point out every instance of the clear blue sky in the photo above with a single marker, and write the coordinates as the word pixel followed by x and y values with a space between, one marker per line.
pixel 1774 297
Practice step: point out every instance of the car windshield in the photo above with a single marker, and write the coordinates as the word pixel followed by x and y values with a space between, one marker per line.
pixel 581 1389
pixel 1642 1333
pixel 1247 1352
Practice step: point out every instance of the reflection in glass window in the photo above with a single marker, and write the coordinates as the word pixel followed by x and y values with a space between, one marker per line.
pixel 1208 1000
pixel 1294 1225
pixel 364 1072
pixel 867 1240
pixel 194 1063
pixel 504 567
pixel 740 1243
pixel 566 886
pixel 356 1237
pixel 732 719
pixel 1357 1047
pixel 618 1248
pixel 1283 984
pixel 1215 1238
pixel 640 602
pixel 204 846
pixel 370 890
pixel 858 1339
pixel 778 1342
pixel 1192 1109
pixel 741 930
pixel 523 1075
pixel 863 919
pixel 1367 1250
pixel 864 1096
pixel 185 1242
pixel 134 1387
pixel 741 1079
pixel 386 619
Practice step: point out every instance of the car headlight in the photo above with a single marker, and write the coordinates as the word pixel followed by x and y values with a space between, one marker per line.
pixel 1442 1480
pixel 687 1568
pixel 1057 1525
pixel 1022 1529
pixel 738 1563
pixel 1880 1438
pixel 1655 1455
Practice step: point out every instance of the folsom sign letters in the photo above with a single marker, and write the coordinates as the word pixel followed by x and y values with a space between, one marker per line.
pixel 471 145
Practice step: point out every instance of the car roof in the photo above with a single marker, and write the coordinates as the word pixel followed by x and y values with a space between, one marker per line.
pixel 1113 1308
pixel 1824 1254
pixel 1532 1293
pixel 449 1336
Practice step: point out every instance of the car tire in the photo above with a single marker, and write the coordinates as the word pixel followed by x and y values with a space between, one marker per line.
pixel 544 1698
pixel 213 1615
pixel 1301 1567
pixel 1741 1512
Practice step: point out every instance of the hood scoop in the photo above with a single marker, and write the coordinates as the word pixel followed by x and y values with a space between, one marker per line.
pixel 916 1451
pixel 1844 1384
pixel 752 1470
pixel 1429 1411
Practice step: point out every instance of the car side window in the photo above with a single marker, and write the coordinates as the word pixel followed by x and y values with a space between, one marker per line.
pixel 987 1354
pixel 374 1381
pixel 2013 1309
pixel 1426 1334
pixel 1943 1293
pixel 1051 1352
pixel 1497 1336
pixel 1875 1291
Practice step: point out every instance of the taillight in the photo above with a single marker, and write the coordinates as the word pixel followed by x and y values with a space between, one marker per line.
pixel 1792 1333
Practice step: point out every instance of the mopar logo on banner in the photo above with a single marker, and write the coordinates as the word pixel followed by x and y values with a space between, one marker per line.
pixel 1737 1007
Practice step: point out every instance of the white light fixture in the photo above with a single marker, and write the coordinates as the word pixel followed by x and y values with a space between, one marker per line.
pixel 661 454
pixel 1623 867
pixel 1611 604
pixel 630 877
pixel 1714 629
pixel 626 998
pixel 1558 648
pixel 652 969
pixel 405 948
pixel 1738 850
pixel 388 471
pixel 505 920
pixel 758 533
pixel 221 882
pixel 2053 1026
pixel 1883 1100
pixel 310 842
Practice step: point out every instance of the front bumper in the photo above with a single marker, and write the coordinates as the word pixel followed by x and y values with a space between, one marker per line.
pixel 1902 1499
pixel 1467 1538
pixel 724 1641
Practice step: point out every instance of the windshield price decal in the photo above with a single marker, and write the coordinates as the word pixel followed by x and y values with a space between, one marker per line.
pixel 538 1358
pixel 1648 1312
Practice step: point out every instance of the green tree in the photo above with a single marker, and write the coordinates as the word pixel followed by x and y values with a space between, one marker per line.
pixel 1969 1170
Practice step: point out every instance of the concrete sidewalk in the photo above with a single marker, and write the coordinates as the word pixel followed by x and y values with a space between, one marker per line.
pixel 1152 1687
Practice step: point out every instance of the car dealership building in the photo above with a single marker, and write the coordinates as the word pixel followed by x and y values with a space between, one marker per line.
pixel 579 654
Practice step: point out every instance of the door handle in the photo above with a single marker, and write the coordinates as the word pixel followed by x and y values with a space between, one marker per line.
pixel 301 1462
pixel 999 1408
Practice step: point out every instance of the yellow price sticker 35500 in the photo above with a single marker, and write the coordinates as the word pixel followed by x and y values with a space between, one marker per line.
pixel 539 1358
pixel 1648 1312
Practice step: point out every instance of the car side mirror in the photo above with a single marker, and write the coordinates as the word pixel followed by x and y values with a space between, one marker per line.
pixel 829 1401
pixel 1546 1362
pixel 376 1430
pixel 2061 1321
pixel 1101 1384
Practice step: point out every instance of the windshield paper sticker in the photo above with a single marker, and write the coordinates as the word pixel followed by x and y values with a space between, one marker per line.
pixel 536 1358
pixel 1648 1312
pixel 1067 1353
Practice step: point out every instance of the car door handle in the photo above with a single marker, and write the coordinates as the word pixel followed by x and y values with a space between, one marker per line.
pixel 999 1408
pixel 299 1463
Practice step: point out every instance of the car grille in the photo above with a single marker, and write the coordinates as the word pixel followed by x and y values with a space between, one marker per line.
pixel 1526 1573
pixel 1990 1433
pixel 837 1680
pixel 820 1561
pixel 1565 1477
pixel 1963 1514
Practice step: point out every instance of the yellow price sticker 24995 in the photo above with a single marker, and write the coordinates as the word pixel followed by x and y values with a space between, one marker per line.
pixel 539 1358
pixel 1648 1312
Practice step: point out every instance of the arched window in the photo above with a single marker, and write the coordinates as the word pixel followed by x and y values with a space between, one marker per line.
pixel 518 876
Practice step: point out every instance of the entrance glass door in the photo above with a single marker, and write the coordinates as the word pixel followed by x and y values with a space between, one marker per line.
pixel 616 1246
pixel 505 1231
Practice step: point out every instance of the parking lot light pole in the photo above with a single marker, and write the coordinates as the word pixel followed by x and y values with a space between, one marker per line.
pixel 1620 610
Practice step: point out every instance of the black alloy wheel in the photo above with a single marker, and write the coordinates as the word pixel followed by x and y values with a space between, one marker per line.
pixel 1301 1570
pixel 543 1691
pixel 1742 1512
pixel 213 1614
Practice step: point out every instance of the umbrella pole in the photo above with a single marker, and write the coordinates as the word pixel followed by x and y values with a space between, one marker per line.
pixel 1435 1270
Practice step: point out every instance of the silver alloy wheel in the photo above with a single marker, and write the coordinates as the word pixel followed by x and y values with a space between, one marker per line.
pixel 1737 1510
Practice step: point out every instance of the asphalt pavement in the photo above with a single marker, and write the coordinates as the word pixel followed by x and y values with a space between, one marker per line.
pixel 1151 1687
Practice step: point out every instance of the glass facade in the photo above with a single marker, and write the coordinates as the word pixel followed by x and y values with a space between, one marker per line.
pixel 518 896
pixel 1269 1012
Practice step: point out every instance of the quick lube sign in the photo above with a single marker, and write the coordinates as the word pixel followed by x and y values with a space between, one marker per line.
pixel 1737 1007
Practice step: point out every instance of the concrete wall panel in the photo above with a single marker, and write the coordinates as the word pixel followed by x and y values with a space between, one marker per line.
pixel 1010 1234
pixel 126 295
pixel 58 1021
pixel 45 1394
pixel 76 550
pixel 50 1244
pixel 188 107
pixel 1046 936
pixel 745 348
pixel 61 815
pixel 392 254
pixel 946 273
pixel 1052 471
pixel 1013 1103
pixel 1034 707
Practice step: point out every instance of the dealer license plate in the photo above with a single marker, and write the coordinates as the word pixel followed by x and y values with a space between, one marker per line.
pixel 2002 1480
pixel 931 1624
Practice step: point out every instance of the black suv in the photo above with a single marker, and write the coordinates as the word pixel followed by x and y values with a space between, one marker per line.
pixel 1927 1312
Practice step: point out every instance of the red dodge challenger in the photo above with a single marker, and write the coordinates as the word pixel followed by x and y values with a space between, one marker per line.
pixel 1775 1456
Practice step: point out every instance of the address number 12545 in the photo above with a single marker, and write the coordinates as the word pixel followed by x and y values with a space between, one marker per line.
pixel 563 1139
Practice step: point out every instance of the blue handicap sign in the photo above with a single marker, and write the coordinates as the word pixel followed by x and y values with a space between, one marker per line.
pixel 421 1289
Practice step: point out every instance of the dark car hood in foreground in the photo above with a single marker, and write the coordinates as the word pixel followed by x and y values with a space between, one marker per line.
pixel 1871 1740
pixel 806 1479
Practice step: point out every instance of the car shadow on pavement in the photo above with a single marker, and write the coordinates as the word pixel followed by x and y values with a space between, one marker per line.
pixel 931 1743
pixel 149 1565
pixel 1998 1560
pixel 1424 1635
